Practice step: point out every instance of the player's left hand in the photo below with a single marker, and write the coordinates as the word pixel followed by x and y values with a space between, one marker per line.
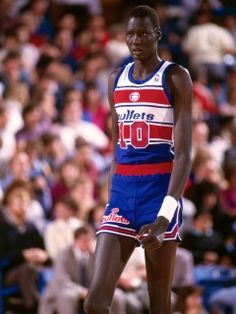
pixel 151 236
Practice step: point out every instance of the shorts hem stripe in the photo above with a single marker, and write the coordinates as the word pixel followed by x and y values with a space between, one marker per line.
pixel 117 233
pixel 118 229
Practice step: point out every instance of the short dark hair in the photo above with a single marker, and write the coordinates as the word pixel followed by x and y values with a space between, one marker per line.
pixel 143 11
pixel 48 138
pixel 28 110
pixel 11 55
pixel 84 229
pixel 69 202
pixel 15 185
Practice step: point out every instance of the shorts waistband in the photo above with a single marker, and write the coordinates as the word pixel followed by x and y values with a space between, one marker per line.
pixel 144 169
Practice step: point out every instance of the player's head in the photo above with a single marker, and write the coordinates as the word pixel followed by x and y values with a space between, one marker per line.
pixel 144 11
pixel 143 32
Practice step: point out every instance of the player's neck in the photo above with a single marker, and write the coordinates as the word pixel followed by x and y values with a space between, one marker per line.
pixel 143 69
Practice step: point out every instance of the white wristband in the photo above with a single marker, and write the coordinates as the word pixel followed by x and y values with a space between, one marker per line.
pixel 168 207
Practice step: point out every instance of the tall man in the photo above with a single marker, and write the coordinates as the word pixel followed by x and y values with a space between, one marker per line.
pixel 150 101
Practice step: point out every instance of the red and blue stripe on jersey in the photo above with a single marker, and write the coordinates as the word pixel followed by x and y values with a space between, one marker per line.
pixel 145 117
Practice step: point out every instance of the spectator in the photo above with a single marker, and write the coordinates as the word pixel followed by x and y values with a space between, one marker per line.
pixel 230 154
pixel 133 282
pixel 35 212
pixel 205 243
pixel 189 300
pixel 16 98
pixel 47 83
pixel 21 243
pixel 228 198
pixel 189 210
pixel 86 159
pixel 69 287
pixel 204 52
pixel 171 41
pixel 102 190
pixel 46 101
pixel 94 6
pixel 66 177
pixel 59 233
pixel 43 29
pixel 205 168
pixel 94 69
pixel 72 94
pixel 73 126
pixel 65 42
pixel 116 48
pixel 184 261
pixel 229 257
pixel 200 136
pixel 83 194
pixel 11 71
pixel 19 167
pixel 68 21
pixel 7 140
pixel 206 197
pixel 34 126
pixel 95 110
pixel 228 92
pixel 223 301
pixel 53 152
pixel 30 54
pixel 6 18
pixel 203 94
pixel 220 139
pixel 95 215
pixel 48 70
pixel 97 25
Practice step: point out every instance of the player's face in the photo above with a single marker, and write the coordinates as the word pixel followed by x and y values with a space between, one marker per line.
pixel 141 38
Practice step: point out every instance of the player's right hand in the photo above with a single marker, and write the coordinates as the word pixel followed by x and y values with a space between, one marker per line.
pixel 151 236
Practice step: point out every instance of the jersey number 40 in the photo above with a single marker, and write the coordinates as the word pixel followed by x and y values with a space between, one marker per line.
pixel 135 134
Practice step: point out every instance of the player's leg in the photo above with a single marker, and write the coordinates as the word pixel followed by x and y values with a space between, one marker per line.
pixel 160 265
pixel 111 255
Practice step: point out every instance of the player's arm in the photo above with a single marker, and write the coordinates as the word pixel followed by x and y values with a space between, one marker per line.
pixel 180 86
pixel 115 132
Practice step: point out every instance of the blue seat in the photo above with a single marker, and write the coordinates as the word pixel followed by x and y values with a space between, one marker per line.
pixel 5 291
pixel 213 278
pixel 45 277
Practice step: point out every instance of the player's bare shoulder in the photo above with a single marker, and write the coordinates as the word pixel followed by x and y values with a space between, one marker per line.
pixel 111 83
pixel 179 80
pixel 115 72
pixel 178 71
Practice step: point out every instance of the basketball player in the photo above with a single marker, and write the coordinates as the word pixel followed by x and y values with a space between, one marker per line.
pixel 150 101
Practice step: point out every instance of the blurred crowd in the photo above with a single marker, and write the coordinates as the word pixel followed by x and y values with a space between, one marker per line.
pixel 55 147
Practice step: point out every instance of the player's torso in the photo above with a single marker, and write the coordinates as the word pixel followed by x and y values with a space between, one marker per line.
pixel 145 117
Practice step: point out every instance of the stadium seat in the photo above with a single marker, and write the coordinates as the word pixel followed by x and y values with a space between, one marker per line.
pixel 5 291
pixel 213 278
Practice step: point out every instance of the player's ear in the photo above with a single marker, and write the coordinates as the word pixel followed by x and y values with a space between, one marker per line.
pixel 159 33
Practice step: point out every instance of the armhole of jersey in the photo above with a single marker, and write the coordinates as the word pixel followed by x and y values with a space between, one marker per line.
pixel 118 76
pixel 164 82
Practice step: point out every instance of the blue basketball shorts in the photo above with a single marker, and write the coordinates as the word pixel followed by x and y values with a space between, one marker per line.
pixel 134 202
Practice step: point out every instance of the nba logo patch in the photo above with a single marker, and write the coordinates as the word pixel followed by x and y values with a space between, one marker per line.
pixel 157 77
pixel 134 96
